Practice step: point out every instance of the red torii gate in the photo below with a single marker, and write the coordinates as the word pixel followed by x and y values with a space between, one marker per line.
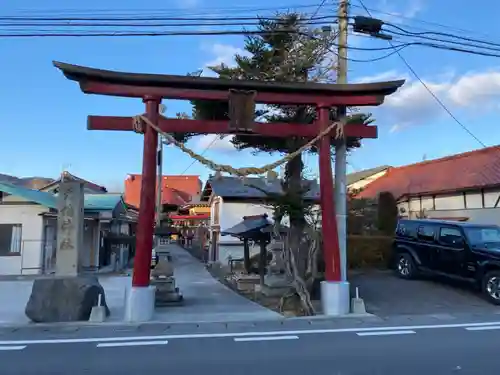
pixel 152 88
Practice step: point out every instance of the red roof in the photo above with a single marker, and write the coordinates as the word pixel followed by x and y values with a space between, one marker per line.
pixel 474 169
pixel 190 217
pixel 176 190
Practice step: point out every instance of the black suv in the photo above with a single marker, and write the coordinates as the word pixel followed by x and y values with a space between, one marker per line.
pixel 459 250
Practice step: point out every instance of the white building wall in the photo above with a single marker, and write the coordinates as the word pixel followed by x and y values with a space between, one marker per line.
pixel 455 206
pixel 31 258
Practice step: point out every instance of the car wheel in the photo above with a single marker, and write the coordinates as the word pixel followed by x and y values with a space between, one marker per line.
pixel 491 287
pixel 405 266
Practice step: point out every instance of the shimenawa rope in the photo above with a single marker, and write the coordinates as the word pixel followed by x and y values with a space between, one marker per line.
pixel 140 120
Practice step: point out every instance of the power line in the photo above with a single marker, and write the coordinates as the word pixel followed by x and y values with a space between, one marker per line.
pixel 428 88
pixel 216 138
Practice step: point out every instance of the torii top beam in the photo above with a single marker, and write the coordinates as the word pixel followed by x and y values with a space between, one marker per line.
pixel 106 82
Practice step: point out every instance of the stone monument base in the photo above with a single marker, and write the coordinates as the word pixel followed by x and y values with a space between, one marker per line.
pixel 275 285
pixel 64 299
pixel 140 304
pixel 167 294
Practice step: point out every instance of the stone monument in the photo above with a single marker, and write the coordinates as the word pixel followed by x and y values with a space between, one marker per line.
pixel 275 282
pixel 69 227
pixel 162 278
pixel 68 296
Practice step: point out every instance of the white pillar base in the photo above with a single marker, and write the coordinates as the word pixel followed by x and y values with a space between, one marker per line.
pixel 140 304
pixel 335 298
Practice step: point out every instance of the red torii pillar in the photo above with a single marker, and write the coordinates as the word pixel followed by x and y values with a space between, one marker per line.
pixel 152 88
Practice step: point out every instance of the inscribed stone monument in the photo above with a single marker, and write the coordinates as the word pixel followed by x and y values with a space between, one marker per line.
pixel 69 227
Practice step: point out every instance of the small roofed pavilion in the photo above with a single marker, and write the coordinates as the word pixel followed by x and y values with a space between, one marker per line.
pixel 256 228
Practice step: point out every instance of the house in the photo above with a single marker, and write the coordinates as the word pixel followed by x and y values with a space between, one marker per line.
pixel 28 182
pixel 176 190
pixel 28 222
pixel 358 180
pixel 232 198
pixel 88 187
pixel 458 187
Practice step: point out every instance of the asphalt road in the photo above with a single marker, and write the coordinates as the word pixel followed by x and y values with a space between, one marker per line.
pixel 439 350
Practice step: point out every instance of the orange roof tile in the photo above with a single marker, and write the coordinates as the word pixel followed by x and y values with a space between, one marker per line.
pixel 176 190
pixel 473 169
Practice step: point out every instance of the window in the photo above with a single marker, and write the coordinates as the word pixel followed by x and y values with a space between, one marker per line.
pixel 481 236
pixel 451 237
pixel 407 229
pixel 426 232
pixel 10 239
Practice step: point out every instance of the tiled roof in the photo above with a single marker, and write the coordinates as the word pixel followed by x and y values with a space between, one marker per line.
pixel 88 185
pixel 361 175
pixel 102 202
pixel 30 195
pixel 252 187
pixel 172 192
pixel 93 202
pixel 474 169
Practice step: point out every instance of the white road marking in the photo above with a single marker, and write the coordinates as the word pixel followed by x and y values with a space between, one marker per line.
pixel 131 343
pixel 265 338
pixel 385 333
pixel 485 328
pixel 18 347
pixel 241 334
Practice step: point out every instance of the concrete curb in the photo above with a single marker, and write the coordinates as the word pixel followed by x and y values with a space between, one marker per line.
pixel 108 324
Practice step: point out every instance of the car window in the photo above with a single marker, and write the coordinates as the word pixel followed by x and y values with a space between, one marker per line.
pixel 481 236
pixel 451 237
pixel 426 232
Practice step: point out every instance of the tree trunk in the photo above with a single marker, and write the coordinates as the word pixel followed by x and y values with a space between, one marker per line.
pixel 297 255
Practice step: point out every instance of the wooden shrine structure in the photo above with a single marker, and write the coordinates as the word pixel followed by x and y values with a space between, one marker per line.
pixel 242 97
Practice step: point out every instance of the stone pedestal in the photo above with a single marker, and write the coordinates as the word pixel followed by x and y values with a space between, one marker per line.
pixel 164 281
pixel 244 282
pixel 166 292
pixel 275 285
pixel 65 299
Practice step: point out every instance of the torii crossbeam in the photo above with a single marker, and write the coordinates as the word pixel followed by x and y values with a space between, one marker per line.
pixel 152 88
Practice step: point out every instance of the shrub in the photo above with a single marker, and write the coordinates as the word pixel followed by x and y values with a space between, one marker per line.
pixel 368 251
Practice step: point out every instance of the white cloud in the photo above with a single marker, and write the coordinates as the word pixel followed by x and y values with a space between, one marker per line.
pixel 392 15
pixel 414 105
pixel 222 54
pixel 214 142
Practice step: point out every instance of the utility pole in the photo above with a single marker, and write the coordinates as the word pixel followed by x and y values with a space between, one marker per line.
pixel 159 179
pixel 159 160
pixel 341 146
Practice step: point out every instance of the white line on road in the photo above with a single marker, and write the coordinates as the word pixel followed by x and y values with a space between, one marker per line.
pixel 18 347
pixel 485 328
pixel 265 338
pixel 131 343
pixel 241 334
pixel 385 333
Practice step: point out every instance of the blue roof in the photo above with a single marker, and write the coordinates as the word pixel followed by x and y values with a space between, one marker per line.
pixel 36 196
pixel 102 202
pixel 93 202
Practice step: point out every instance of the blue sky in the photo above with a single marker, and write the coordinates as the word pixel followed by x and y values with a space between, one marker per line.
pixel 44 116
